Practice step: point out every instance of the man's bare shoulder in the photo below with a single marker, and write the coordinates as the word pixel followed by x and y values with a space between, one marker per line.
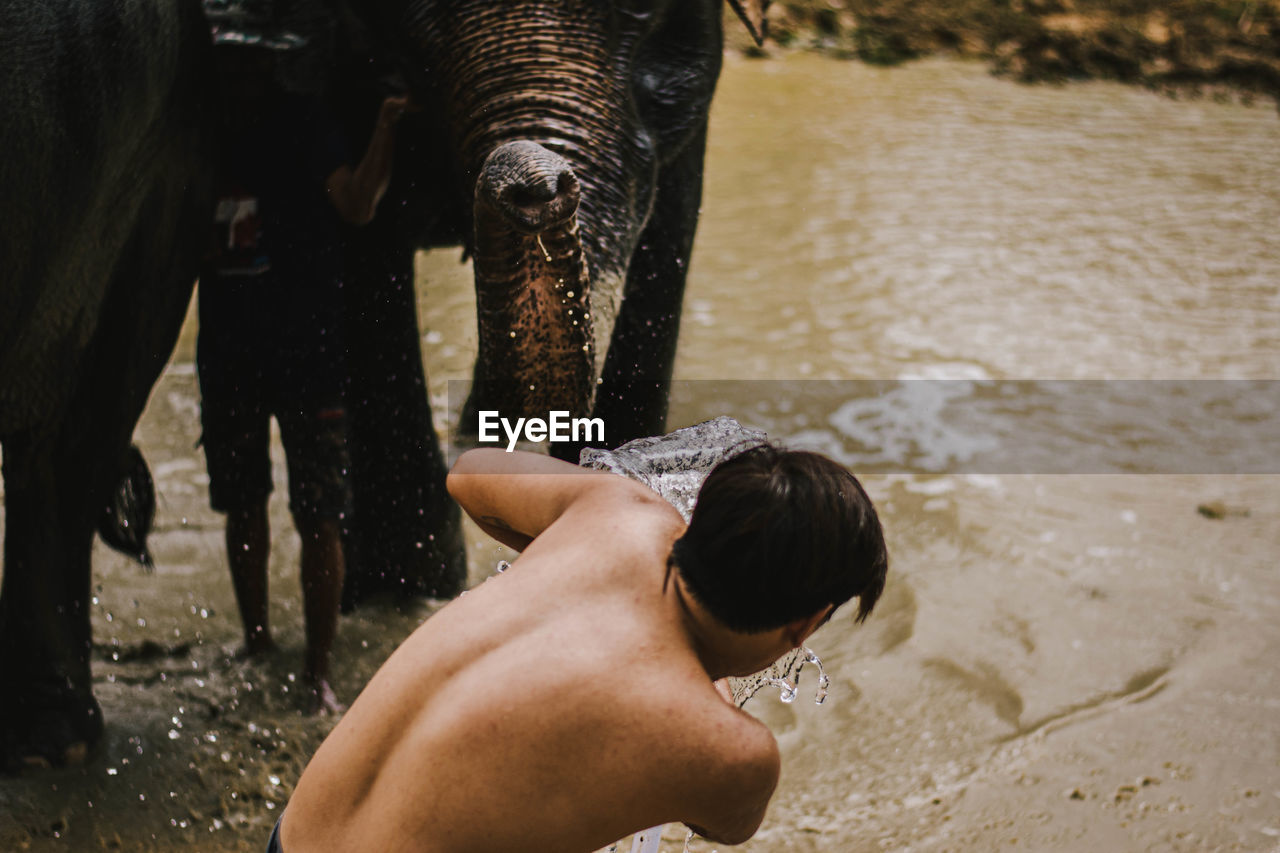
pixel 627 491
pixel 623 512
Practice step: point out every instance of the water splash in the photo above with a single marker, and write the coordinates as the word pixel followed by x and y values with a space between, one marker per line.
pixel 648 841
pixel 784 675
pixel 786 690
pixel 824 680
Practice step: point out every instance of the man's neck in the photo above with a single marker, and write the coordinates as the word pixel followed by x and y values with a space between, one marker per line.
pixel 721 651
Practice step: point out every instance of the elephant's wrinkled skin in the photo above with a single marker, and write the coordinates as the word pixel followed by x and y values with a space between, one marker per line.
pixel 561 141
pixel 578 130
pixel 105 189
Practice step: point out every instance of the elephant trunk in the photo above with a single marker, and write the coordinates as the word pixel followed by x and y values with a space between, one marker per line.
pixel 539 113
pixel 536 348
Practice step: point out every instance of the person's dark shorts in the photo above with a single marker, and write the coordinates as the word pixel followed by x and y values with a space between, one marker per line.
pixel 273 843
pixel 237 405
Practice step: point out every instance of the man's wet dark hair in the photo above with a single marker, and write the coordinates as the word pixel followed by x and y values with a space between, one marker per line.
pixel 776 535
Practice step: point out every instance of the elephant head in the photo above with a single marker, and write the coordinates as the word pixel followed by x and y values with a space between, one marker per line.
pixel 562 116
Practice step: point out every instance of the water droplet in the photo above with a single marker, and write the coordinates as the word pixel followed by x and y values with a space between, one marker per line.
pixel 824 681
pixel 787 690
pixel 502 566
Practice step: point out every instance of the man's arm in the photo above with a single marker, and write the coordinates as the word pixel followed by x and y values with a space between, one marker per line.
pixel 731 799
pixel 355 193
pixel 516 496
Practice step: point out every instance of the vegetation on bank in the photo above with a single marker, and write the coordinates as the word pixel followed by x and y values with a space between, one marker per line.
pixel 1215 46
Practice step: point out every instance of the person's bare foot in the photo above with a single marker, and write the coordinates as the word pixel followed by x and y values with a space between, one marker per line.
pixel 258 646
pixel 323 701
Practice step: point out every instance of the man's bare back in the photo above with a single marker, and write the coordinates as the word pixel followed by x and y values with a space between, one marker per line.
pixel 558 706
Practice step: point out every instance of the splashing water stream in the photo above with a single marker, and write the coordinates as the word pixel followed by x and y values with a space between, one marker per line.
pixel 788 685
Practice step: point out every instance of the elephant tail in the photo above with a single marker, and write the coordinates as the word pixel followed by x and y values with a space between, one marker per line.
pixel 130 510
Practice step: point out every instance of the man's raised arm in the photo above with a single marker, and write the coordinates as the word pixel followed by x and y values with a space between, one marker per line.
pixel 516 496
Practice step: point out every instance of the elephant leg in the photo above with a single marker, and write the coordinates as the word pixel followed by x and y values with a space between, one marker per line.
pixel 48 715
pixel 632 398
pixel 59 478
pixel 405 533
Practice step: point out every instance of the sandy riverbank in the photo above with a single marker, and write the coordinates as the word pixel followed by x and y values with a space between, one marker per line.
pixel 1224 48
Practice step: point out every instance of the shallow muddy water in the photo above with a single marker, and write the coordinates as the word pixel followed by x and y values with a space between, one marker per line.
pixel 1067 656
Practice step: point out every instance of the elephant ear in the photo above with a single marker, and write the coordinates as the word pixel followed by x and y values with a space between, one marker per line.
pixel 752 14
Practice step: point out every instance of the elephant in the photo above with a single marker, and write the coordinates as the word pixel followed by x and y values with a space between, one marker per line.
pixel 623 132
pixel 106 185
pixel 559 141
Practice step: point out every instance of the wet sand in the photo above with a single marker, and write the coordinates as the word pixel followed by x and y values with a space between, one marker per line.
pixel 1062 662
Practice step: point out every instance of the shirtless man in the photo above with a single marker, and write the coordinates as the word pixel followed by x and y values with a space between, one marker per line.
pixel 572 700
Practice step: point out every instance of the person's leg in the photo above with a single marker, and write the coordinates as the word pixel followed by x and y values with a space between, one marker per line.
pixel 323 568
pixel 248 543
pixel 319 498
pixel 236 439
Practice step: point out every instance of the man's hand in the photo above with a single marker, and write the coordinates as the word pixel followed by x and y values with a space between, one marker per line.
pixel 355 193
pixel 393 107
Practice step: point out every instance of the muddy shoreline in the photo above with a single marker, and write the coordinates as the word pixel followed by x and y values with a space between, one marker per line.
pixel 1226 49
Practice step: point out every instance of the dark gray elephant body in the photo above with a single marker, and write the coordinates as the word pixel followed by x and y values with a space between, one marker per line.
pixel 105 187
pixel 603 102
pixel 562 142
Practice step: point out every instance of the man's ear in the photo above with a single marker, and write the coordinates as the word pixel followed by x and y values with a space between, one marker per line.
pixel 752 14
pixel 799 630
